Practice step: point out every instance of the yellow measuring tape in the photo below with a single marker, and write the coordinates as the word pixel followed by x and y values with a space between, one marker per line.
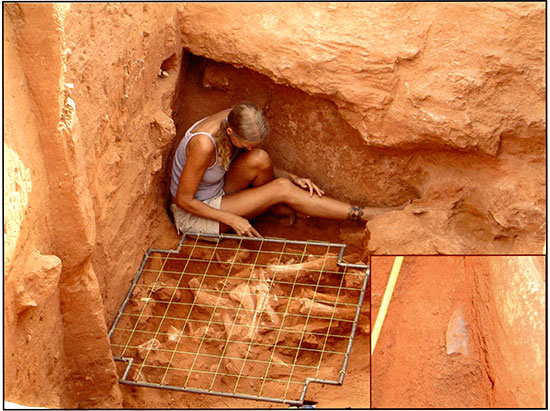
pixel 385 302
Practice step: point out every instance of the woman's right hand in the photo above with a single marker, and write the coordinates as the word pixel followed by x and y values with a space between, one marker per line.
pixel 242 226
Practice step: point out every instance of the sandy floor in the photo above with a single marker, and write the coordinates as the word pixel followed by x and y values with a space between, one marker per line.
pixel 410 365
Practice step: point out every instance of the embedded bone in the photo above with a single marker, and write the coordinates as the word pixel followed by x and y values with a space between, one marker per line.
pixel 311 294
pixel 255 309
pixel 261 291
pixel 204 299
pixel 288 272
pixel 209 331
pixel 242 295
pixel 173 336
pixel 143 305
pixel 239 257
pixel 227 324
pixel 144 349
pixel 152 354
pixel 165 292
pixel 309 307
pixel 353 278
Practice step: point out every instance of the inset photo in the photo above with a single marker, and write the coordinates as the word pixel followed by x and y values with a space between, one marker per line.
pixel 458 332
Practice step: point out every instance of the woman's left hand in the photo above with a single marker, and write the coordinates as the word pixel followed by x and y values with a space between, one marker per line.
pixel 307 184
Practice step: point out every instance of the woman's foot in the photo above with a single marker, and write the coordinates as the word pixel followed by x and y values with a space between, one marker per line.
pixel 358 213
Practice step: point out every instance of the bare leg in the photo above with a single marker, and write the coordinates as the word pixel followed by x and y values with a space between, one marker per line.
pixel 253 169
pixel 250 203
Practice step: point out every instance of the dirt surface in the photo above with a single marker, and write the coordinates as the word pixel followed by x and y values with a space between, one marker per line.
pixel 410 364
pixel 353 393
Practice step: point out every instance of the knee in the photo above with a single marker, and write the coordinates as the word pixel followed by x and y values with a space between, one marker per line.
pixel 283 187
pixel 259 159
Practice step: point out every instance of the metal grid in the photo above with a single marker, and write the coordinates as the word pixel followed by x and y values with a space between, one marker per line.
pixel 240 317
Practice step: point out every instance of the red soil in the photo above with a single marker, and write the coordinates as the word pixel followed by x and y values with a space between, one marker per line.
pixel 410 365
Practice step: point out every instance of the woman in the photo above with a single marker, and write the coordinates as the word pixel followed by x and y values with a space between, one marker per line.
pixel 216 186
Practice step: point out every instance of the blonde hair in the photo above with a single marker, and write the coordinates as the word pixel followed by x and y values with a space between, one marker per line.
pixel 248 122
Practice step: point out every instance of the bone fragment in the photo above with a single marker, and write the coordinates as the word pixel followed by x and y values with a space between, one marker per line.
pixel 292 335
pixel 227 323
pixel 309 307
pixel 242 295
pixel 457 334
pixel 314 336
pixel 353 278
pixel 141 377
pixel 262 291
pixel 144 349
pixel 164 292
pixel 310 293
pixel 289 272
pixel 143 305
pixel 203 299
pixel 212 331
pixel 174 335
pixel 151 353
pixel 239 257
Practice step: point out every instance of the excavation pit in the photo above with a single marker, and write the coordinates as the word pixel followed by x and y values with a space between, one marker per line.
pixel 99 95
pixel 240 317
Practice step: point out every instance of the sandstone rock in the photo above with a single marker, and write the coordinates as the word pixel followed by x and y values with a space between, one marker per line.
pixel 17 186
pixel 510 310
pixel 404 86
pixel 147 347
pixel 166 126
pixel 414 231
pixel 463 192
pixel 39 282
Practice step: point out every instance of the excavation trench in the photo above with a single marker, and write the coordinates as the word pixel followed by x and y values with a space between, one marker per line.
pixel 308 135
pixel 94 117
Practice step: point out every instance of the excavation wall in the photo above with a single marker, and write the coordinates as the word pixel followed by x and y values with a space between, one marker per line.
pixel 509 302
pixel 443 105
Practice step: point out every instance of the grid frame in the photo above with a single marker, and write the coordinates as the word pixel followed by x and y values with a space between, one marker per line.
pixel 221 283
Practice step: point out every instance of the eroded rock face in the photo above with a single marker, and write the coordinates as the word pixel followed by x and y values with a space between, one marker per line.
pixel 401 74
pixel 461 202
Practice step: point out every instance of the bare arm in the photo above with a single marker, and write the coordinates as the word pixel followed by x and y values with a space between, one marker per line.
pixel 200 155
